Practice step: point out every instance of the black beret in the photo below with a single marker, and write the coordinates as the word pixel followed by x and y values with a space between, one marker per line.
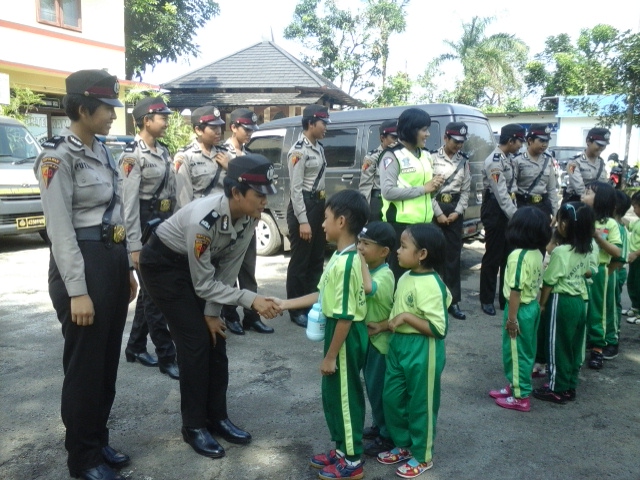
pixel 390 127
pixel 207 115
pixel 97 84
pixel 245 117
pixel 457 131
pixel 541 131
pixel 150 105
pixel 255 170
pixel 316 111
pixel 599 135
pixel 513 130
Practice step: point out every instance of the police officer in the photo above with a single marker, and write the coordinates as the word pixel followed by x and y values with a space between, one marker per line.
pixel 369 176
pixel 536 180
pixel 189 266
pixel 450 203
pixel 498 206
pixel 305 213
pixel 200 167
pixel 588 166
pixel 148 193
pixel 243 124
pixel 90 283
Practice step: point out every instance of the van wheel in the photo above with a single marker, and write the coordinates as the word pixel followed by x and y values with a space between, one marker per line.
pixel 268 238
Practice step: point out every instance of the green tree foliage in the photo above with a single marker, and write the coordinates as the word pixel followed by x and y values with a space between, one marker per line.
pixel 397 91
pixel 157 30
pixel 22 101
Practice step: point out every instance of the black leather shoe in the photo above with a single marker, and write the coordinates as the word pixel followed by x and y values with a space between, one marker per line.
pixel 202 442
pixel 455 311
pixel 257 325
pixel 299 319
pixel 234 326
pixel 114 458
pixel 229 431
pixel 144 358
pixel 170 369
pixel 488 308
pixel 101 472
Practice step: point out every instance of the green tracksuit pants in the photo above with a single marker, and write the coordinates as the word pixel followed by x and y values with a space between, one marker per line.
pixel 564 322
pixel 633 284
pixel 342 393
pixel 518 354
pixel 603 320
pixel 375 367
pixel 412 392
pixel 622 279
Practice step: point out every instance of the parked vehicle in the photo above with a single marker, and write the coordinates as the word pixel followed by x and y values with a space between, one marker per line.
pixel 116 143
pixel 350 135
pixel 562 156
pixel 20 205
pixel 630 175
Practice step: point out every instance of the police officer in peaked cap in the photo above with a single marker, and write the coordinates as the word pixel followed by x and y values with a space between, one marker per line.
pixel 90 281
pixel 305 213
pixel 189 266
pixel 588 166
pixel 148 194
pixel 498 206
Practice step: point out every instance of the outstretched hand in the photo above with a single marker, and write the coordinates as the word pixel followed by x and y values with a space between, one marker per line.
pixel 267 307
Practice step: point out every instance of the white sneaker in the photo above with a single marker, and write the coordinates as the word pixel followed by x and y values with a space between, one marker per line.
pixel 629 312
pixel 633 320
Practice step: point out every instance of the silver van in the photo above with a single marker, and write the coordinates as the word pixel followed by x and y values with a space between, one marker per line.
pixel 350 135
pixel 20 205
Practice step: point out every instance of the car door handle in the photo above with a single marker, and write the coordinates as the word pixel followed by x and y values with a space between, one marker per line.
pixel 347 177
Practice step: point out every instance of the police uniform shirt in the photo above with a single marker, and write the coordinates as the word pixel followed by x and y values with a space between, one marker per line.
pixel 142 172
pixel 195 170
pixel 582 172
pixel 460 184
pixel 305 162
pixel 498 177
pixel 526 171
pixel 203 231
pixel 231 149
pixel 76 186
pixel 369 176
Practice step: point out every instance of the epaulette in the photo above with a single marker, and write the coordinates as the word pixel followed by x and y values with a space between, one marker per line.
pixel 53 142
pixel 208 221
pixel 372 151
pixel 131 146
pixel 575 157
pixel 299 143
pixel 497 157
pixel 222 147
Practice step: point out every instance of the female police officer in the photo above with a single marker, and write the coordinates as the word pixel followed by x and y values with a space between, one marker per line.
pixel 588 166
pixel 188 267
pixel 90 283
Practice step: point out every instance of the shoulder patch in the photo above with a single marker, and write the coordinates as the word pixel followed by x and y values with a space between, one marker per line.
pixel 177 163
pixel 387 161
pixel 53 142
pixel 571 167
pixel 75 141
pixel 295 157
pixel 366 164
pixel 131 146
pixel 48 168
pixel 208 221
pixel 200 245
pixel 127 165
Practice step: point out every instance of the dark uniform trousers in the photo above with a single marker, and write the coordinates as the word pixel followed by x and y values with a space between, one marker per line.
pixel 453 237
pixel 496 250
pixel 375 204
pixel 307 258
pixel 544 205
pixel 148 319
pixel 246 279
pixel 91 353
pixel 204 368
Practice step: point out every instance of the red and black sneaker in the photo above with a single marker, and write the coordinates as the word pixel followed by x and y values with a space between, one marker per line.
pixel 548 395
pixel 569 395
pixel 325 459
pixel 342 469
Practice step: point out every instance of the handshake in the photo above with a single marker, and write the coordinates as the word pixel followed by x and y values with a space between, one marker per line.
pixel 268 307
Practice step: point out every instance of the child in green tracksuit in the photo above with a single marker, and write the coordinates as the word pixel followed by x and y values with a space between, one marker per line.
pixel 602 330
pixel 416 355
pixel 623 204
pixel 345 344
pixel 528 232
pixel 633 280
pixel 562 302
pixel 375 242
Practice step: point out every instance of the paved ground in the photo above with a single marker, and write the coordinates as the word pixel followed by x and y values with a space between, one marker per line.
pixel 275 394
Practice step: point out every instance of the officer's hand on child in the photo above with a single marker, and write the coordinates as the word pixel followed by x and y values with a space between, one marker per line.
pixel 328 366
pixel 133 287
pixel 216 326
pixel 82 310
pixel 305 231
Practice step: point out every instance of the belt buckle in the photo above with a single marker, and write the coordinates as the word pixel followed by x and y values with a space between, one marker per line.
pixel 536 198
pixel 512 196
pixel 118 233
pixel 165 205
pixel 446 198
pixel 321 194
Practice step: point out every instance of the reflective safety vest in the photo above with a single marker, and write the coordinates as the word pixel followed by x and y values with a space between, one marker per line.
pixel 412 172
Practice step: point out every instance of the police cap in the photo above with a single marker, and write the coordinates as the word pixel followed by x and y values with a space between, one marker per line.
pixel 599 135
pixel 381 233
pixel 390 127
pixel 541 131
pixel 207 115
pixel 97 84
pixel 255 170
pixel 245 117
pixel 457 131
pixel 150 105
pixel 513 130
pixel 316 111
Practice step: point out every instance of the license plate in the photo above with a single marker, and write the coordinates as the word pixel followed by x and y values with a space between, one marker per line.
pixel 30 222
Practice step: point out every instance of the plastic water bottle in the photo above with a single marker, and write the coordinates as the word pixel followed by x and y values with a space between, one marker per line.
pixel 316 322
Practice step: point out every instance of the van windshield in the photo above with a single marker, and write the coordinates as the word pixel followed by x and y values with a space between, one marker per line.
pixel 17 144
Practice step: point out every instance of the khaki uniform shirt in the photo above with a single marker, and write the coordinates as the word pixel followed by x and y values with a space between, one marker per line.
pixel 460 184
pixel 498 177
pixel 526 171
pixel 195 170
pixel 202 230
pixel 582 172
pixel 305 162
pixel 231 150
pixel 77 184
pixel 369 176
pixel 142 171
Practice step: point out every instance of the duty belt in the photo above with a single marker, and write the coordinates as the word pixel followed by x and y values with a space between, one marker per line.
pixel 163 206
pixel 319 194
pixel 447 197
pixel 489 194
pixel 156 244
pixel 101 233
pixel 534 199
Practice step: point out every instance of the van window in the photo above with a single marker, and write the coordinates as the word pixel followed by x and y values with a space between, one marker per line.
pixel 479 144
pixel 434 141
pixel 340 147
pixel 16 143
pixel 374 137
pixel 270 146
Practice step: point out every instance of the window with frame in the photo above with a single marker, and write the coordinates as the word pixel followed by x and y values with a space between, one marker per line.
pixel 61 13
pixel 340 147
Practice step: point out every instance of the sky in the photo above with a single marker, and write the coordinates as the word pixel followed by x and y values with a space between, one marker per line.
pixel 428 24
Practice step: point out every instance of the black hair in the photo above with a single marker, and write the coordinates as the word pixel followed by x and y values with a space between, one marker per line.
pixel 410 122
pixel 73 101
pixel 431 238
pixel 635 198
pixel 604 201
pixel 529 229
pixel 309 121
pixel 351 205
pixel 230 183
pixel 504 139
pixel 580 225
pixel 623 203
